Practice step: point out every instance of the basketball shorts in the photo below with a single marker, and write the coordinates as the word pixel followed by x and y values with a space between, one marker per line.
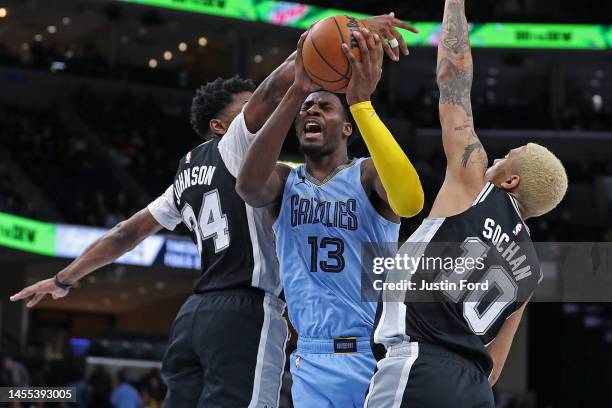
pixel 417 375
pixel 226 349
pixel 331 373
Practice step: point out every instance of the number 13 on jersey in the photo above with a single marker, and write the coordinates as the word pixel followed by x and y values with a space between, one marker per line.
pixel 335 254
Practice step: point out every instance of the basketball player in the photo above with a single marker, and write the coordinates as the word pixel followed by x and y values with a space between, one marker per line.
pixel 227 343
pixel 449 350
pixel 226 347
pixel 324 212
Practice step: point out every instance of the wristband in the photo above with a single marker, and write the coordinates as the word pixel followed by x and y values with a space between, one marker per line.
pixel 61 285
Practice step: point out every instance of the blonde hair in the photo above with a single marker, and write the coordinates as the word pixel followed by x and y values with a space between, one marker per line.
pixel 543 180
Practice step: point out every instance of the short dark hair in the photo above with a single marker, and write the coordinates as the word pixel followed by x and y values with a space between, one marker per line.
pixel 211 99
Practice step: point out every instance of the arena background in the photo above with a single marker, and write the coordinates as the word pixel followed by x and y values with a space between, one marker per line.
pixel 94 101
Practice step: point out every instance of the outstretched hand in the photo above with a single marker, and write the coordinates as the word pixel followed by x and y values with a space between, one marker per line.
pixel 36 292
pixel 302 79
pixel 386 27
pixel 366 73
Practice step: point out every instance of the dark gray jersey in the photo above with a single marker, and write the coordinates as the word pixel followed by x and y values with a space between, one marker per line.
pixel 457 317
pixel 233 239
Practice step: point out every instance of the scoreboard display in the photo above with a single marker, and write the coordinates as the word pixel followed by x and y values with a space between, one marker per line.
pixel 482 35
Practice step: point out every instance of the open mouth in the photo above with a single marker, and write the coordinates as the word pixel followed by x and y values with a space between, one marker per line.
pixel 312 129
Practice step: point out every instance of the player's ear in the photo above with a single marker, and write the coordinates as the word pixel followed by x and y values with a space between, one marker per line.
pixel 347 129
pixel 511 182
pixel 217 127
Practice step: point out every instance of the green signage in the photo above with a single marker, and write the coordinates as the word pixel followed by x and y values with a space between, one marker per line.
pixel 490 35
pixel 27 235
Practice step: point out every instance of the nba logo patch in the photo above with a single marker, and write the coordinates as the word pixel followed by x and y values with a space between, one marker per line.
pixel 188 158
pixel 517 230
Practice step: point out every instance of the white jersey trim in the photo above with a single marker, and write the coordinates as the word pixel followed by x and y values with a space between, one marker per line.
pixel 261 351
pixel 164 211
pixel 255 245
pixel 235 143
pixel 483 194
pixel 391 327
pixel 518 212
pixel 389 383
pixel 399 393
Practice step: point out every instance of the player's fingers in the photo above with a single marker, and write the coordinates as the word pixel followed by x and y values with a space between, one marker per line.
pixel 370 41
pixel 394 50
pixel 37 298
pixel 23 294
pixel 400 39
pixel 388 50
pixel 400 24
pixel 300 43
pixel 363 46
pixel 377 41
pixel 377 46
pixel 349 56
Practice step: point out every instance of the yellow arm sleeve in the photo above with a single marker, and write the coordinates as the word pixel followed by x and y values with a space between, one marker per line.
pixel 397 174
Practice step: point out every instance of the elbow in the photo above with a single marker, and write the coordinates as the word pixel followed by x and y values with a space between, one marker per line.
pixel 247 192
pixel 124 237
pixel 493 377
pixel 242 188
pixel 412 207
pixel 496 370
pixel 276 85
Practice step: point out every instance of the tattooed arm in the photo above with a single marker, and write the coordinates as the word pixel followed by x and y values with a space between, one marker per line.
pixel 466 158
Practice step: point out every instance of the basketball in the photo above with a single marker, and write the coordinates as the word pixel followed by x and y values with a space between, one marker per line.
pixel 322 54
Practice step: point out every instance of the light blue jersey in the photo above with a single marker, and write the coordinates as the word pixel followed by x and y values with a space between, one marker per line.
pixel 319 236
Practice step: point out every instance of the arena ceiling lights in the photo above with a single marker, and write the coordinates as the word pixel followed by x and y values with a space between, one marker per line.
pixel 485 35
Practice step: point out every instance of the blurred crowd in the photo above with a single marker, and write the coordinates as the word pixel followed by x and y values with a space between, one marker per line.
pixel 503 96
pixel 146 139
pixel 64 166
pixel 85 60
pixel 94 387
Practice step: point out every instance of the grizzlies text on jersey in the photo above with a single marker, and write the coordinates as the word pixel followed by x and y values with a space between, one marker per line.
pixel 319 236
pixel 320 232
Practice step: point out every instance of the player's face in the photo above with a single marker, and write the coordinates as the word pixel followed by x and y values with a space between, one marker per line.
pixel 504 169
pixel 236 105
pixel 321 125
pixel 220 125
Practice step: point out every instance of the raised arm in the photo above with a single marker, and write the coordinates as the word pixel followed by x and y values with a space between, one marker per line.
pixel 268 94
pixel 117 241
pixel 261 180
pixel 465 155
pixel 394 178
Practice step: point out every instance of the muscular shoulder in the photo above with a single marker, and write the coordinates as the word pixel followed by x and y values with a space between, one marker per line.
pixel 368 173
pixel 283 171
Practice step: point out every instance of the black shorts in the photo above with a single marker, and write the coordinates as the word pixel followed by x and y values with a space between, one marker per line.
pixel 417 375
pixel 226 349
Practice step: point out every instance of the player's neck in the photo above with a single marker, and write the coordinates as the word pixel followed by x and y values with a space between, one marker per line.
pixel 524 214
pixel 321 167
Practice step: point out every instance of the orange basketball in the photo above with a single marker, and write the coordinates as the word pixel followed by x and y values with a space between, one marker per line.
pixel 323 58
